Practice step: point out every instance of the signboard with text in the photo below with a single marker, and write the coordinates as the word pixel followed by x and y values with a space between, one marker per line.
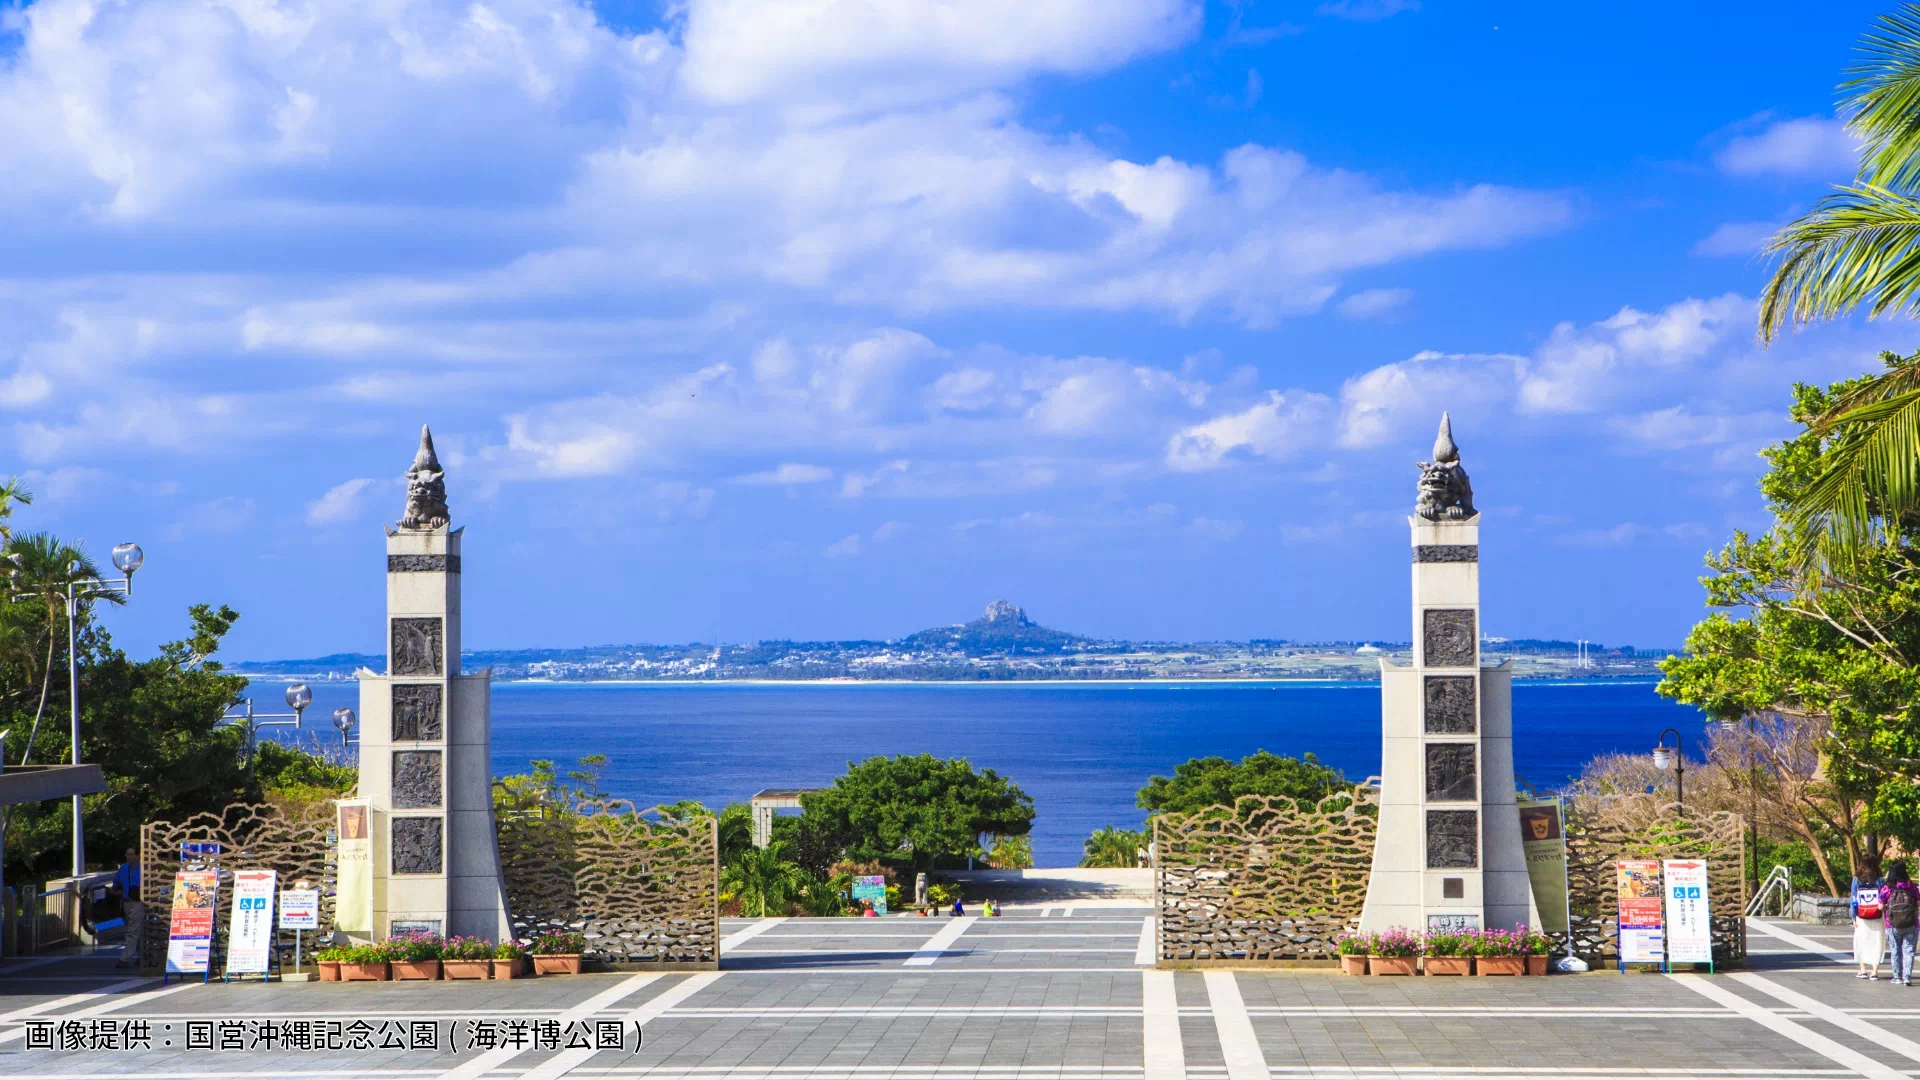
pixel 1689 924
pixel 872 888
pixel 1641 923
pixel 250 933
pixel 190 931
pixel 300 909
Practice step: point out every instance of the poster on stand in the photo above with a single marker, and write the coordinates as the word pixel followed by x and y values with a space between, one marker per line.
pixel 250 933
pixel 190 931
pixel 353 899
pixel 873 889
pixel 1689 923
pixel 1543 838
pixel 1641 938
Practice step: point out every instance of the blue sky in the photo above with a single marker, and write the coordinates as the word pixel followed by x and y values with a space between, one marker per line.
pixel 827 318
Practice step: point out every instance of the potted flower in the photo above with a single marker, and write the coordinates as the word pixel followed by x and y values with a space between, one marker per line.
pixel 508 960
pixel 1395 952
pixel 1498 953
pixel 416 956
pixel 1447 954
pixel 1538 947
pixel 366 963
pixel 557 952
pixel 466 958
pixel 329 961
pixel 1353 953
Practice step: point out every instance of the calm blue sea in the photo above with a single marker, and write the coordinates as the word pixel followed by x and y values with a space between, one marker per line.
pixel 1081 751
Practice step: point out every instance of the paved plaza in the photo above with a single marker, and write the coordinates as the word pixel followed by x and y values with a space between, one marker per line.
pixel 1059 993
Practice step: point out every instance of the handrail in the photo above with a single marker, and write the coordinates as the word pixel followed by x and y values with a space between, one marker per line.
pixel 1779 882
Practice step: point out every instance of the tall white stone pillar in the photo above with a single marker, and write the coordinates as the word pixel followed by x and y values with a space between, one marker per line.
pixel 1448 851
pixel 424 737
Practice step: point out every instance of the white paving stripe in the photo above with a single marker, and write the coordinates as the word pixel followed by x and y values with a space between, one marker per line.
pixel 1166 1054
pixel 1238 1044
pixel 493 1059
pixel 1145 952
pixel 1780 1025
pixel 74 999
pixel 120 1002
pixel 937 944
pixel 733 940
pixel 566 1061
pixel 1800 942
pixel 1901 1045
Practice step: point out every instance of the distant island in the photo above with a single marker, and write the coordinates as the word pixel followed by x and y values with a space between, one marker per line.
pixel 1001 645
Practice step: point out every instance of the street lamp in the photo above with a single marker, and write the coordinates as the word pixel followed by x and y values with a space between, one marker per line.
pixel 126 558
pixel 1675 758
pixel 343 721
pixel 298 698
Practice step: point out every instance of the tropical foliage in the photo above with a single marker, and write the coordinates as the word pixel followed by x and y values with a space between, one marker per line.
pixel 764 881
pixel 1110 848
pixel 1214 781
pixel 918 807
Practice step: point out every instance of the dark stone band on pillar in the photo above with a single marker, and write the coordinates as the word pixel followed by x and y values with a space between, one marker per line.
pixel 423 564
pixel 1426 553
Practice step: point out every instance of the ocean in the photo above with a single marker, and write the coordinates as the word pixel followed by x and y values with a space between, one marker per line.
pixel 1080 750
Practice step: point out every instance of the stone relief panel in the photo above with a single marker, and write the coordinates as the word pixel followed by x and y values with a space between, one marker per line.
pixel 1421 553
pixel 1451 707
pixel 416 712
pixel 416 845
pixel 423 564
pixel 416 779
pixel 417 646
pixel 1453 839
pixel 1451 773
pixel 1449 638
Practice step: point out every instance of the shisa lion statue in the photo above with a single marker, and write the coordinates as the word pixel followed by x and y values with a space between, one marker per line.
pixel 1445 492
pixel 426 488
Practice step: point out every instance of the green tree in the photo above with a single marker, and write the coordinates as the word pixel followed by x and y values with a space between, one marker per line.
pixel 919 806
pixel 1110 848
pixel 1011 853
pixel 763 880
pixel 1214 781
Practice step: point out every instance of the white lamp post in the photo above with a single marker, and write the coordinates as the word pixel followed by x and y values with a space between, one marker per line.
pixel 298 698
pixel 343 721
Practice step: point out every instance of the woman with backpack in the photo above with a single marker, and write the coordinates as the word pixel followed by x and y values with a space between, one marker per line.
pixel 1869 926
pixel 1901 901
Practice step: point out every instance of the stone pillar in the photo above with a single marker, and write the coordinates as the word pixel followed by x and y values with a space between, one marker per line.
pixel 424 739
pixel 1448 851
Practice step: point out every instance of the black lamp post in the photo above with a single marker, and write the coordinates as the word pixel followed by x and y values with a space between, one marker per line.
pixel 1677 758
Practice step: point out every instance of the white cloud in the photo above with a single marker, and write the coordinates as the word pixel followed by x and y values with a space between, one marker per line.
pixel 1278 428
pixel 1368 10
pixel 229 513
pixel 1619 535
pixel 788 474
pixel 1215 529
pixel 1374 303
pixel 845 547
pixel 1376 404
pixel 342 502
pixel 891 530
pixel 1582 370
pixel 1815 147
pixel 1743 238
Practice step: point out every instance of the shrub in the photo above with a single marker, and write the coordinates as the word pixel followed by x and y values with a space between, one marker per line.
pixel 1352 944
pixel 1440 943
pixel 507 950
pixel 943 894
pixel 560 942
pixel 1394 941
pixel 1501 943
pixel 332 954
pixel 415 948
pixel 367 954
pixel 466 948
pixel 1536 943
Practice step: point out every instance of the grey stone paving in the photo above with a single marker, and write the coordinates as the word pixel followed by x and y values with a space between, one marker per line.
pixel 1016 998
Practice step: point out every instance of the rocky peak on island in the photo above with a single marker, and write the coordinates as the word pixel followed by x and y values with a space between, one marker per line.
pixel 1006 611
pixel 1004 629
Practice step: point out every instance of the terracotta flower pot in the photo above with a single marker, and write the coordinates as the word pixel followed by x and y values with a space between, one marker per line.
pixel 1536 965
pixel 365 972
pixel 466 969
pixel 1500 965
pixel 421 970
pixel 1449 965
pixel 506 969
pixel 329 971
pixel 556 963
pixel 1390 965
pixel 1353 965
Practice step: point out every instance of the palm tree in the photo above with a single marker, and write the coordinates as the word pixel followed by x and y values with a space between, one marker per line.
pixel 11 495
pixel 44 567
pixel 761 878
pixel 1861 246
pixel 1110 847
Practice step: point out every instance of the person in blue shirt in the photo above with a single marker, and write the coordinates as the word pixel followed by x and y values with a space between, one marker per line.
pixel 1869 924
pixel 958 909
pixel 135 912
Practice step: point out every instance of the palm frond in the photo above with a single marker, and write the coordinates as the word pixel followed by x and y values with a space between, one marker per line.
pixel 1871 477
pixel 1859 245
pixel 1882 99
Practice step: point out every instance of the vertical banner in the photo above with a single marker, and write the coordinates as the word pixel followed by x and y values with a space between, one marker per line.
pixel 1544 840
pixel 1689 923
pixel 1641 938
pixel 250 933
pixel 353 904
pixel 190 933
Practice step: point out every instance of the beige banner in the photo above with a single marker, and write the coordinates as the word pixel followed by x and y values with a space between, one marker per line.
pixel 353 903
pixel 1544 838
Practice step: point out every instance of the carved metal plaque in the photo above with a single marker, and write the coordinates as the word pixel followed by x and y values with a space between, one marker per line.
pixel 1449 638
pixel 1421 553
pixel 417 646
pixel 1451 775
pixel 416 779
pixel 417 712
pixel 416 845
pixel 1452 924
pixel 1450 707
pixel 423 564
pixel 1453 839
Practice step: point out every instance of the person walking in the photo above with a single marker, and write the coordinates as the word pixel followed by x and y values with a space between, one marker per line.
pixel 1869 926
pixel 132 910
pixel 958 908
pixel 1901 903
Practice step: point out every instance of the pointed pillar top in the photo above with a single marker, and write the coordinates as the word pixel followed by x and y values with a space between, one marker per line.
pixel 426 488
pixel 1444 450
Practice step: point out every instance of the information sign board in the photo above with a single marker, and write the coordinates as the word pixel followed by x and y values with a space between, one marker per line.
pixel 300 909
pixel 190 932
pixel 250 933
pixel 1689 923
pixel 873 888
pixel 1641 938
